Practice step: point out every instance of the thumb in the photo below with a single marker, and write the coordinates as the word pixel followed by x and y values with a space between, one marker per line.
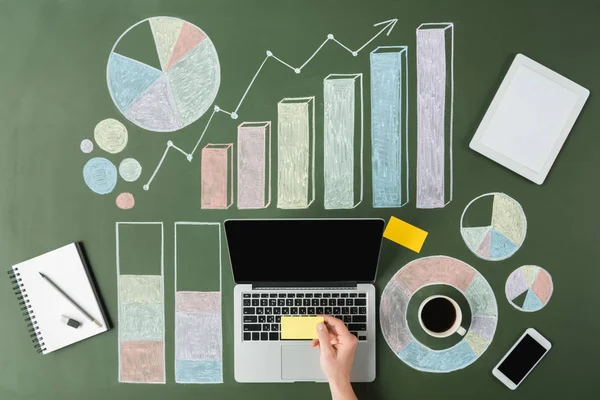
pixel 324 343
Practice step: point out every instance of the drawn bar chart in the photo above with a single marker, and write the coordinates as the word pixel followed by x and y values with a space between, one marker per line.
pixel 384 27
pixel 389 126
pixel 435 108
pixel 141 328
pixel 198 316
pixel 296 152
pixel 254 165
pixel 217 176
pixel 343 140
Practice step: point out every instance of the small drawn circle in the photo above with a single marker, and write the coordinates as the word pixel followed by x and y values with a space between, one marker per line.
pixel 111 135
pixel 529 288
pixel 493 226
pixel 130 169
pixel 86 146
pixel 100 175
pixel 125 201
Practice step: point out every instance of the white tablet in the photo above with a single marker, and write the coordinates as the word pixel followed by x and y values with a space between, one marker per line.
pixel 529 119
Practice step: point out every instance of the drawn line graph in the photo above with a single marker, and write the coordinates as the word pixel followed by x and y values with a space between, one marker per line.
pixel 387 27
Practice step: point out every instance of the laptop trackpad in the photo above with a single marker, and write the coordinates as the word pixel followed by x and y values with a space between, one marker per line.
pixel 301 363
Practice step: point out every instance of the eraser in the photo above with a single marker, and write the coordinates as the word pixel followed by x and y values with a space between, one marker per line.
pixel 299 328
pixel 70 322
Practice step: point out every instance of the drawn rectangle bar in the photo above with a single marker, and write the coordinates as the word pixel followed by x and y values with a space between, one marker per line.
pixel 254 165
pixel 296 152
pixel 217 176
pixel 435 108
pixel 198 315
pixel 343 140
pixel 140 281
pixel 389 126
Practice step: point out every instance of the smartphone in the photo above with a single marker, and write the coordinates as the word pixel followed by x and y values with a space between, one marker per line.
pixel 521 358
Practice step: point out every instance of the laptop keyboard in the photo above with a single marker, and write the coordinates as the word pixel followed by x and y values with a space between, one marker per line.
pixel 262 312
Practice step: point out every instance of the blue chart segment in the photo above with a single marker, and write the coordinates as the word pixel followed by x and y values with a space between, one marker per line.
pixel 129 79
pixel 389 126
pixel 181 92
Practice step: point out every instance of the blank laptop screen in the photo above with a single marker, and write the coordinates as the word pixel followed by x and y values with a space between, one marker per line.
pixel 304 250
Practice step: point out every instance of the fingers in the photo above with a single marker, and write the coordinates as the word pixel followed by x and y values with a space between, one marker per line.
pixel 324 340
pixel 337 324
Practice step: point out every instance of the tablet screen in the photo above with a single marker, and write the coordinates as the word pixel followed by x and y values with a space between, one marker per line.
pixel 529 119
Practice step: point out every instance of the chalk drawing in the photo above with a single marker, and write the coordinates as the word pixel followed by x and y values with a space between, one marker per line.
pixel 501 235
pixel 438 270
pixel 141 330
pixel 389 126
pixel 195 81
pixel 435 109
pixel 189 38
pixel 529 288
pixel 343 140
pixel 155 108
pixel 86 146
pixel 111 135
pixel 142 362
pixel 296 152
pixel 166 32
pixel 385 27
pixel 254 165
pixel 167 100
pixel 217 176
pixel 128 79
pixel 100 175
pixel 130 169
pixel 125 201
pixel 198 320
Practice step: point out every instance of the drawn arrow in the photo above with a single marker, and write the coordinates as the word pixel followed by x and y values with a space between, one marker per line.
pixel 386 26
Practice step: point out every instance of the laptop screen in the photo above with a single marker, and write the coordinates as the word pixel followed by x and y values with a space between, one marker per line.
pixel 304 250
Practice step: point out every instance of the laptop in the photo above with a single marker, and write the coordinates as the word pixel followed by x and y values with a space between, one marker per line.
pixel 301 267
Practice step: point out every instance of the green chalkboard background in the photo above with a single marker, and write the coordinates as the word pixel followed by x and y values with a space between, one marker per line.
pixel 53 92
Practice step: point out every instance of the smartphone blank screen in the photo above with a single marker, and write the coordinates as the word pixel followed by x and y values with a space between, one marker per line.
pixel 523 357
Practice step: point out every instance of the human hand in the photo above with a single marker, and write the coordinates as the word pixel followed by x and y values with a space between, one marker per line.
pixel 337 347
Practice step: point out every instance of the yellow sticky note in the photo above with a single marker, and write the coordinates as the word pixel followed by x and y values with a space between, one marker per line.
pixel 405 234
pixel 299 327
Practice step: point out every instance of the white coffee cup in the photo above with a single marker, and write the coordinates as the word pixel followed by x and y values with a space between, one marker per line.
pixel 455 328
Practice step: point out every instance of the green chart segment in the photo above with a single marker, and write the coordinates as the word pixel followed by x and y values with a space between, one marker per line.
pixel 505 232
pixel 177 94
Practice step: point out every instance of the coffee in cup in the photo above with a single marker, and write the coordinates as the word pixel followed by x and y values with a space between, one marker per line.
pixel 440 316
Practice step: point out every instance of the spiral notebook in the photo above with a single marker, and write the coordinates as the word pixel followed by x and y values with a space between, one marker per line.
pixel 43 306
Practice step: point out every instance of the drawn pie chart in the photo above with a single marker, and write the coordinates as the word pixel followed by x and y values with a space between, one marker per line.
pixel 529 288
pixel 493 226
pixel 163 74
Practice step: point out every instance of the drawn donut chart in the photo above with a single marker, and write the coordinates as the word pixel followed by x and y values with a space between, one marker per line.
pixel 429 271
pixel 178 94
